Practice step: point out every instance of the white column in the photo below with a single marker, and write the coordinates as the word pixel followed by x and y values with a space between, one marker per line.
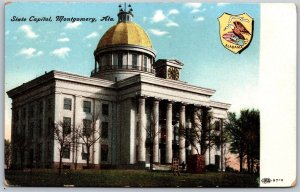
pixel 169 133
pixel 142 131
pixel 156 131
pixel 182 156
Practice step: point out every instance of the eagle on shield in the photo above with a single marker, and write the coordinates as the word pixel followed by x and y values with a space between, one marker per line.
pixel 236 31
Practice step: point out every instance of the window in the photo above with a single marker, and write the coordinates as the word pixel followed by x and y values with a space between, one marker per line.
pixel 120 60
pixel 104 152
pixel 218 142
pixel 87 106
pixel 105 109
pixel 217 161
pixel 66 152
pixel 84 153
pixel 115 60
pixel 67 125
pixel 145 62
pixel 217 126
pixel 176 133
pixel 67 104
pixel 87 127
pixel 134 61
pixel 104 131
pixel 107 60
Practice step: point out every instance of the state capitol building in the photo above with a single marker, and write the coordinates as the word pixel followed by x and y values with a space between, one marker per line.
pixel 132 93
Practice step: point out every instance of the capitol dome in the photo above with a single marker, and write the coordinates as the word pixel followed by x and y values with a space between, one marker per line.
pixel 125 33
pixel 124 50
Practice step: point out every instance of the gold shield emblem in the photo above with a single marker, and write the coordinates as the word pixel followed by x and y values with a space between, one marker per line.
pixel 236 31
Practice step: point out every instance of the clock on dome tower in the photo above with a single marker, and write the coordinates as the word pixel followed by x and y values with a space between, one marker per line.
pixel 168 68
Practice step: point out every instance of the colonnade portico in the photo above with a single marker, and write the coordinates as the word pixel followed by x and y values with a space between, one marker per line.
pixel 169 128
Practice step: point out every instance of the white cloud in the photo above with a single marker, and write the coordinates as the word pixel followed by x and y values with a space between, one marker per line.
pixel 172 24
pixel 92 35
pixel 222 4
pixel 193 5
pixel 7 32
pixel 28 31
pixel 195 11
pixel 40 53
pixel 65 39
pixel 158 16
pixel 30 52
pixel 173 12
pixel 74 25
pixel 198 19
pixel 61 52
pixel 158 32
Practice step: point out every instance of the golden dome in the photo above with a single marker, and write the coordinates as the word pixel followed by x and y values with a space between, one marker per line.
pixel 127 33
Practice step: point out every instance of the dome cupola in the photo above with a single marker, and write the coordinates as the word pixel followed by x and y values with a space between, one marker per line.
pixel 124 50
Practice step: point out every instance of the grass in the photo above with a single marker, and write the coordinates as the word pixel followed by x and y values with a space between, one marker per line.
pixel 127 178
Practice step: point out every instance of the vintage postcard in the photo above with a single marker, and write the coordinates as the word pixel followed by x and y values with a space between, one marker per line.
pixel 150 94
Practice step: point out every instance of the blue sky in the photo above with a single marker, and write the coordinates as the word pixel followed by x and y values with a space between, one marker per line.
pixel 188 32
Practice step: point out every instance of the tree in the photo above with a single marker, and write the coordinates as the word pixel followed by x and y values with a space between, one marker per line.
pixel 201 135
pixel 152 133
pixel 244 137
pixel 62 134
pixel 7 152
pixel 235 133
pixel 75 144
pixel 88 134
pixel 250 122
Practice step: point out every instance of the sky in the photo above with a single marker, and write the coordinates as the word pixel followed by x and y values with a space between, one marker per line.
pixel 188 32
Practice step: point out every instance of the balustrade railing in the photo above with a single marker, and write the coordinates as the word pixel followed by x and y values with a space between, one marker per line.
pixel 121 67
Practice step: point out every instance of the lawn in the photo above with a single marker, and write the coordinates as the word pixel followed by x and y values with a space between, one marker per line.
pixel 127 178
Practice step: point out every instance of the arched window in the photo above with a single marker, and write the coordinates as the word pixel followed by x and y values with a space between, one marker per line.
pixel 120 60
pixel 134 60
pixel 145 62
pixel 107 61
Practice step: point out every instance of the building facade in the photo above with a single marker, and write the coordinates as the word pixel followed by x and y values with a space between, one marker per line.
pixel 137 104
